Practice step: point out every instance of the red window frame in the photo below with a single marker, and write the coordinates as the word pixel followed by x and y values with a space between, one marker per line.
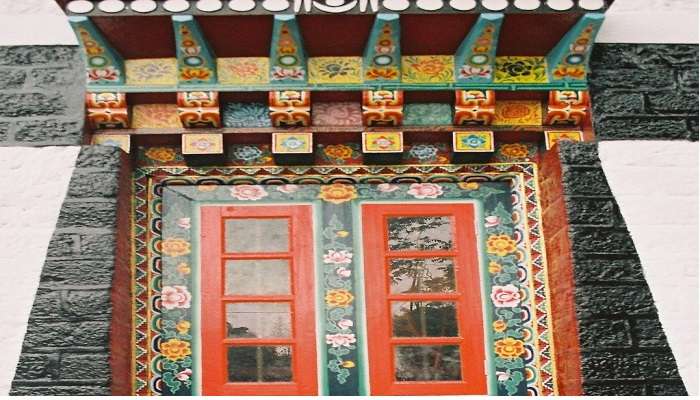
pixel 467 296
pixel 301 264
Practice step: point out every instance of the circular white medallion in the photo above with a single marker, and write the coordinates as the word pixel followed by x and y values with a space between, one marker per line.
pixel 209 5
pixel 143 6
pixel 241 5
pixel 275 5
pixel 335 3
pixel 176 5
pixel 560 5
pixel 495 5
pixel 396 5
pixel 527 5
pixel 111 6
pixel 429 5
pixel 80 6
pixel 591 5
pixel 463 5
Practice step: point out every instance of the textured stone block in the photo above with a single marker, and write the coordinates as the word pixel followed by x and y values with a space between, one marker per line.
pixel 591 212
pixel 619 103
pixel 31 104
pixel 614 388
pixel 670 388
pixel 53 131
pixel 11 78
pixel 601 240
pixel 84 366
pixel 87 303
pixel 608 365
pixel 583 153
pixel 673 102
pixel 90 215
pixel 649 333
pixel 597 334
pixel 94 184
pixel 63 390
pixel 66 334
pixel 637 79
pixel 607 270
pixel 47 304
pixel 76 272
pixel 585 181
pixel 106 157
pixel 37 366
pixel 55 77
pixel 688 79
pixel 592 301
pixel 32 55
pixel 642 128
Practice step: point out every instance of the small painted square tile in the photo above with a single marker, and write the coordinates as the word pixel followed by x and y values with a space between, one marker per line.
pixel 518 112
pixel 426 153
pixel 472 141
pixel 159 155
pixel 336 114
pixel 427 69
pixel 521 70
pixel 250 154
pixel 243 70
pixel 202 143
pixel 335 70
pixel 339 154
pixel 382 142
pixel 246 115
pixel 151 72
pixel 551 137
pixel 121 141
pixel 155 116
pixel 509 152
pixel 427 114
pixel 292 143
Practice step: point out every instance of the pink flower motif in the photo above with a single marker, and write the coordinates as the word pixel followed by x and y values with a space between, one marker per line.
pixel 295 73
pixel 345 324
pixel 184 375
pixel 248 192
pixel 184 223
pixel 387 187
pixel 288 188
pixel 344 272
pixel 103 74
pixel 468 72
pixel 505 296
pixel 341 339
pixel 425 190
pixel 337 257
pixel 502 376
pixel 492 221
pixel 172 297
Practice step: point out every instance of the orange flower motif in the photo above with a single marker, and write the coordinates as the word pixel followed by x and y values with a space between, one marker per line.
pixel 432 66
pixel 574 72
pixel 183 268
pixel 337 193
pixel 468 185
pixel 382 73
pixel 494 267
pixel 195 74
pixel 338 298
pixel 183 327
pixel 509 348
pixel 162 154
pixel 500 245
pixel 515 150
pixel 339 151
pixel 175 247
pixel 499 326
pixel 175 349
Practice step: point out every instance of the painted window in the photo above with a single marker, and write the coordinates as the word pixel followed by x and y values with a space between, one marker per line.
pixel 423 299
pixel 258 324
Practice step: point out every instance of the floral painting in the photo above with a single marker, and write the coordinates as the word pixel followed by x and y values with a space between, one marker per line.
pixel 151 71
pixel 521 70
pixel 421 114
pixel 427 69
pixel 330 70
pixel 245 115
pixel 427 153
pixel 336 113
pixel 339 154
pixel 518 112
pixel 155 116
pixel 243 70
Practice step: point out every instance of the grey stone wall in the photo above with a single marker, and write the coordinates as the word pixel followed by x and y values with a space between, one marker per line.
pixel 77 319
pixel 623 347
pixel 645 91
pixel 42 95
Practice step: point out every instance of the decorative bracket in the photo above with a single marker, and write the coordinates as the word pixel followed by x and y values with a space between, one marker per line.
pixel 196 61
pixel 199 109
pixel 107 110
pixel 475 107
pixel 289 108
pixel 568 60
pixel 287 55
pixel 476 56
pixel 382 57
pixel 567 107
pixel 104 66
pixel 382 107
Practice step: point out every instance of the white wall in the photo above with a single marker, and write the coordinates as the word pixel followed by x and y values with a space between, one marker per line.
pixel 30 196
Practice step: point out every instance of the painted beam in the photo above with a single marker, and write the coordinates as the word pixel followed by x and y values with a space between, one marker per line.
pixel 287 56
pixel 196 62
pixel 568 60
pixel 476 56
pixel 103 64
pixel 382 57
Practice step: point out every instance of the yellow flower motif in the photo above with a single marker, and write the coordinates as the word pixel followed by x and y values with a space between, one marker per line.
pixel 206 188
pixel 195 73
pixel 337 193
pixel 183 268
pixel 162 154
pixel 509 348
pixel 348 364
pixel 494 267
pixel 500 245
pixel 499 326
pixel 574 72
pixel 175 247
pixel 515 150
pixel 468 185
pixel 342 234
pixel 338 298
pixel 338 151
pixel 175 349
pixel 382 73
pixel 183 327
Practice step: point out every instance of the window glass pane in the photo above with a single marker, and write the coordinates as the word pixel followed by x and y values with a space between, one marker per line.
pixel 257 277
pixel 420 233
pixel 257 235
pixel 260 364
pixel 258 320
pixel 419 318
pixel 422 275
pixel 427 363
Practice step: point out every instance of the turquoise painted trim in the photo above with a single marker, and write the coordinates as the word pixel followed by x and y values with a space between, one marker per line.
pixel 574 50
pixel 475 59
pixel 103 64
pixel 383 50
pixel 321 354
pixel 288 61
pixel 481 236
pixel 363 388
pixel 196 62
pixel 196 298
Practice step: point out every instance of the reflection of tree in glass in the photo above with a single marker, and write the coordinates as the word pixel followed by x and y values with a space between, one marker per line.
pixel 427 363
pixel 417 275
pixel 420 319
pixel 258 363
pixel 420 233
